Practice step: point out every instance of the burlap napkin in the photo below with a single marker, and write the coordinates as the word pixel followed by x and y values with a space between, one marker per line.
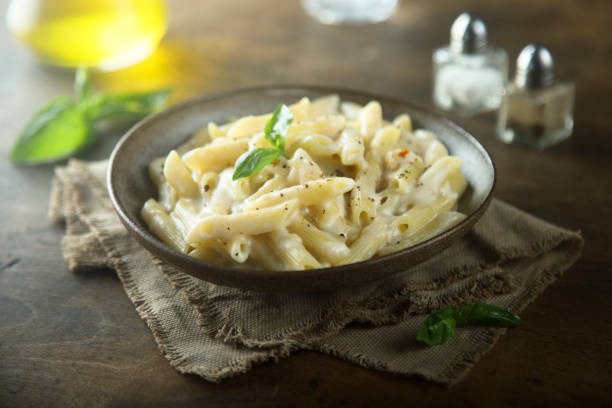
pixel 218 332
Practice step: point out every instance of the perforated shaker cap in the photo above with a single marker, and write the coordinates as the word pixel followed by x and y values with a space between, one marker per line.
pixel 468 34
pixel 535 67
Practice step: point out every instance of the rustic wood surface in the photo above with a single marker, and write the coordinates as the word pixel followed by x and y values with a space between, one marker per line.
pixel 75 339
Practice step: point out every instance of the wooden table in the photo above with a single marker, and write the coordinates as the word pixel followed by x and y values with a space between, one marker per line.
pixel 75 339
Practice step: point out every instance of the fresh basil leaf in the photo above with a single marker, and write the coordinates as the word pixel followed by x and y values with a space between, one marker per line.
pixel 126 106
pixel 55 132
pixel 82 85
pixel 482 313
pixel 253 161
pixel 438 327
pixel 277 127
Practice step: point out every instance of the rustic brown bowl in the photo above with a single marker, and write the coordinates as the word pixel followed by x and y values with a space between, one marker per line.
pixel 129 185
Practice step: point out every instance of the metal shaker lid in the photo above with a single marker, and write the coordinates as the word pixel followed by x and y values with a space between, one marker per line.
pixel 535 68
pixel 468 34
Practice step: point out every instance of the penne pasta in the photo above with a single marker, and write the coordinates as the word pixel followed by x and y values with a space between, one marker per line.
pixel 290 249
pixel 343 186
pixel 248 222
pixel 309 193
pixel 320 243
pixel 162 225
pixel 215 156
pixel 179 176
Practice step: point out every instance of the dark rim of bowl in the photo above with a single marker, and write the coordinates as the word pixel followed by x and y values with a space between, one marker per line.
pixel 179 257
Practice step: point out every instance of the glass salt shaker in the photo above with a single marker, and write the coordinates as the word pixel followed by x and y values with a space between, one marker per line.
pixel 469 74
pixel 536 111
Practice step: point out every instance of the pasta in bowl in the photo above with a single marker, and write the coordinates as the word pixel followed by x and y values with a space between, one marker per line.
pixel 352 186
pixel 325 192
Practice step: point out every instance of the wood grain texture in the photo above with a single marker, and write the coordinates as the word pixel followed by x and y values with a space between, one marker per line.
pixel 76 340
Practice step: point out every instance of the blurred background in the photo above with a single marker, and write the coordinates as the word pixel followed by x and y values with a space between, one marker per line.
pixel 224 44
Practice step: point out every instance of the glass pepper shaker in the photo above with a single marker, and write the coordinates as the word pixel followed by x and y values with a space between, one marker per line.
pixel 469 74
pixel 536 111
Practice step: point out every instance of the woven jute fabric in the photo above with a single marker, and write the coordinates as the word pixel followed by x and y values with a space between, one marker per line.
pixel 217 332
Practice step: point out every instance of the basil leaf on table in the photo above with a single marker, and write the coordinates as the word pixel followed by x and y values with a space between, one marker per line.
pixel 275 132
pixel 64 126
pixel 55 132
pixel 486 314
pixel 255 160
pixel 82 85
pixel 127 106
pixel 439 326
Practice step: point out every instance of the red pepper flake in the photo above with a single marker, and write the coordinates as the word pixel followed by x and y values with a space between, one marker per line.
pixel 256 208
pixel 404 153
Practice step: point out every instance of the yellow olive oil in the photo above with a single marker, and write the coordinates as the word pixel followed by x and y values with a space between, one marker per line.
pixel 105 34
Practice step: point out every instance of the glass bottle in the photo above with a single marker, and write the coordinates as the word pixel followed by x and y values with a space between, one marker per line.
pixel 536 111
pixel 105 34
pixel 350 11
pixel 469 75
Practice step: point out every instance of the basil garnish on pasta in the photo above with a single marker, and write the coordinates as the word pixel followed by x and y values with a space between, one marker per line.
pixel 276 130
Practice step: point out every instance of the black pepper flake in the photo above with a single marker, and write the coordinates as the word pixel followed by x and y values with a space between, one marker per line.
pixel 323 211
pixel 307 225
pixel 284 166
pixel 286 208
pixel 397 242
pixel 342 235
pixel 228 228
pixel 306 185
pixel 282 195
pixel 236 253
pixel 206 188
pixel 301 157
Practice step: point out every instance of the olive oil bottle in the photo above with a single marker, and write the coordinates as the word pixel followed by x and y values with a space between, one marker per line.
pixel 102 34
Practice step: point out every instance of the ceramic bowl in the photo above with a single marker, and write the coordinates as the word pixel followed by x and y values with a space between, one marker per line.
pixel 129 184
